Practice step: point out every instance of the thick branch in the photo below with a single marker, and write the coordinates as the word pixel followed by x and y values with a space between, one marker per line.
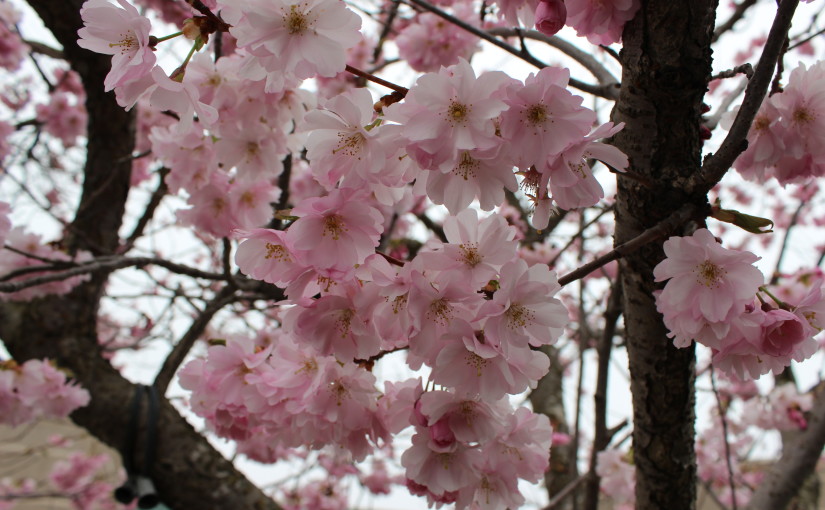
pixel 798 461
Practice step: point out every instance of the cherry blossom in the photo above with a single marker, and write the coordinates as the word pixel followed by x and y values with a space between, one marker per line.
pixel 120 32
pixel 550 16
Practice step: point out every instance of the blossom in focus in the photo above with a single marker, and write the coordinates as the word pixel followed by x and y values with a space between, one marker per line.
pixel 120 32
pixel 707 281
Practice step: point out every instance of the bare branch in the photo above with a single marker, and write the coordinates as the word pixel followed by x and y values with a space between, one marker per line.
pixel 196 329
pixel 107 264
pixel 798 461
pixel 584 58
pixel 737 15
pixel 735 143
pixel 601 436
pixel 658 231
pixel 596 90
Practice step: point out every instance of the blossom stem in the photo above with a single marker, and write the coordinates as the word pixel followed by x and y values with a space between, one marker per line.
pixel 375 79
pixel 776 300
pixel 166 38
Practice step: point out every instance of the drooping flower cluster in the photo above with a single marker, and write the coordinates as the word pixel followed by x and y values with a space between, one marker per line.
pixel 34 390
pixel 786 139
pixel 711 297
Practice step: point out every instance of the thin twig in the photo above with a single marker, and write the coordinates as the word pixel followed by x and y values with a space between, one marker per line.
pixel 658 231
pixel 566 492
pixel 723 418
pixel 375 79
pixel 737 15
pixel 782 250
pixel 149 212
pixel 196 329
pixel 612 312
pixel 107 264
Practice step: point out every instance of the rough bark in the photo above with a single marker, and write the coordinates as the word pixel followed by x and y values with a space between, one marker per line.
pixel 188 472
pixel 666 61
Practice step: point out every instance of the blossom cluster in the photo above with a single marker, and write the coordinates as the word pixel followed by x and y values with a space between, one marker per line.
pixel 465 306
pixel 715 296
pixel 786 139
pixel 29 252
pixel 34 390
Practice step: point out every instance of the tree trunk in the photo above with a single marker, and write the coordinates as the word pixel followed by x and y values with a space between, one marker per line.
pixel 189 472
pixel 666 61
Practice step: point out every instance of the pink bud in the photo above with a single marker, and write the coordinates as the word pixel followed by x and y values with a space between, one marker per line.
pixel 550 16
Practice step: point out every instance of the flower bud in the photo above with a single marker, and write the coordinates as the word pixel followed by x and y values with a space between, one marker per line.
pixel 550 16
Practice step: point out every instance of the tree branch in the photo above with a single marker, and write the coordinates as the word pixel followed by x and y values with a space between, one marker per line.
pixel 596 90
pixel 107 264
pixel 196 329
pixel 587 60
pixel 798 461
pixel 715 166
pixel 658 231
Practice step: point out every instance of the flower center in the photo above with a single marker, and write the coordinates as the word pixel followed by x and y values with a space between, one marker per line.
pixel 709 274
pixel 466 167
pixel 128 43
pixel 334 226
pixel 440 312
pixel 519 316
pixel 457 113
pixel 536 114
pixel 344 322
pixel 350 145
pixel 469 254
pixel 477 362
pixel 803 116
pixel 296 22
pixel 277 252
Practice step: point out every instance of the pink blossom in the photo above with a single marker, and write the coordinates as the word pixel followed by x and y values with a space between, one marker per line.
pixel 543 117
pixel 339 143
pixel 122 33
pixel 12 48
pixel 429 42
pixel 706 281
pixel 482 175
pixel 164 93
pixel 63 117
pixel 550 16
pixel 299 38
pixel 600 21
pixel 267 255
pixel 450 111
pixel 618 478
pixel 523 309
pixel 339 230
pixel 782 331
pixel 440 472
pixel 476 249
pixel 571 180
